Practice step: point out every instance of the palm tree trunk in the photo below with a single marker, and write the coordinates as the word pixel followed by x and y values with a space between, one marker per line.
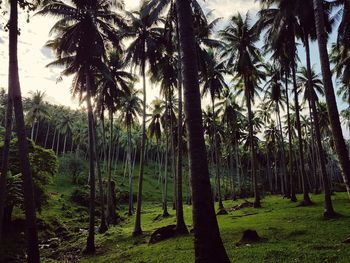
pixel 53 139
pixel 32 130
pixel 290 149
pixel 340 145
pixel 137 229
pixel 90 244
pixel 111 214
pixel 103 224
pixel 306 199
pixel 5 156
pixel 181 227
pixel 207 241
pixel 328 207
pixel 29 206
pixel 217 162
pixel 253 156
pixel 131 201
pixel 284 176
pixel 58 142
pixel 47 135
pixel 165 196
pixel 64 144
pixel 37 131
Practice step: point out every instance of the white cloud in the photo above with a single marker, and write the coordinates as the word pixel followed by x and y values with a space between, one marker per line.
pixel 227 8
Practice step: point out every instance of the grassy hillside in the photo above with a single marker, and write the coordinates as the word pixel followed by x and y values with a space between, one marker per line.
pixel 291 233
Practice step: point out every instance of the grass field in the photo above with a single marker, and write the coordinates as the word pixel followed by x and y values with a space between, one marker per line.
pixel 291 233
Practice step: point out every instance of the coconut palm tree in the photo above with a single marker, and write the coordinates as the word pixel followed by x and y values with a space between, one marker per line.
pixel 130 109
pixel 36 111
pixel 143 50
pixel 213 82
pixel 208 244
pixel 15 96
pixel 340 145
pixel 79 43
pixel 243 60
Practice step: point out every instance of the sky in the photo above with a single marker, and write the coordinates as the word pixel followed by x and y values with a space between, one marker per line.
pixel 33 56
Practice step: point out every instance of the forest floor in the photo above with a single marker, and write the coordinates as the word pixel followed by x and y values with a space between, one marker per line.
pixel 290 233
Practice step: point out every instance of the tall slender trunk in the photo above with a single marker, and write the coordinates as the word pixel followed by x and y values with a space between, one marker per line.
pixel 47 135
pixel 290 147
pixel 129 167
pixel 165 195
pixel 257 203
pixel 14 85
pixel 217 161
pixel 340 145
pixel 111 214
pixel 207 241
pixel 137 228
pixel 5 155
pixel 65 143
pixel 103 224
pixel 90 244
pixel 58 142
pixel 53 139
pixel 37 131
pixel 32 130
pixel 180 221
pixel 328 207
pixel 284 177
pixel 306 199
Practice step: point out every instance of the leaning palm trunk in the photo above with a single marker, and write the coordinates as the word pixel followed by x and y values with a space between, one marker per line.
pixel 5 156
pixel 28 189
pixel 340 145
pixel 306 199
pixel 328 207
pixel 137 229
pixel 90 244
pixel 165 191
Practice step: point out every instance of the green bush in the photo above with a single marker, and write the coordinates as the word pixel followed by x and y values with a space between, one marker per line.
pixel 74 166
pixel 43 164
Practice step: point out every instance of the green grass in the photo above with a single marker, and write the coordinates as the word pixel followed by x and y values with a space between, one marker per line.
pixel 292 233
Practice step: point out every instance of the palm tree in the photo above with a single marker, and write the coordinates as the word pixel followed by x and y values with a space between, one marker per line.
pixel 213 83
pixel 111 89
pixel 313 84
pixel 130 106
pixel 243 59
pixel 276 98
pixel 81 35
pixel 15 93
pixel 36 111
pixel 283 28
pixel 142 50
pixel 208 244
pixel 340 145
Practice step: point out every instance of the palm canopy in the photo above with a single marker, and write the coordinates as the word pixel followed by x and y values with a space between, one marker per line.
pixel 243 57
pixel 146 39
pixel 214 78
pixel 36 107
pixel 316 88
pixel 273 87
pixel 130 107
pixel 81 34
